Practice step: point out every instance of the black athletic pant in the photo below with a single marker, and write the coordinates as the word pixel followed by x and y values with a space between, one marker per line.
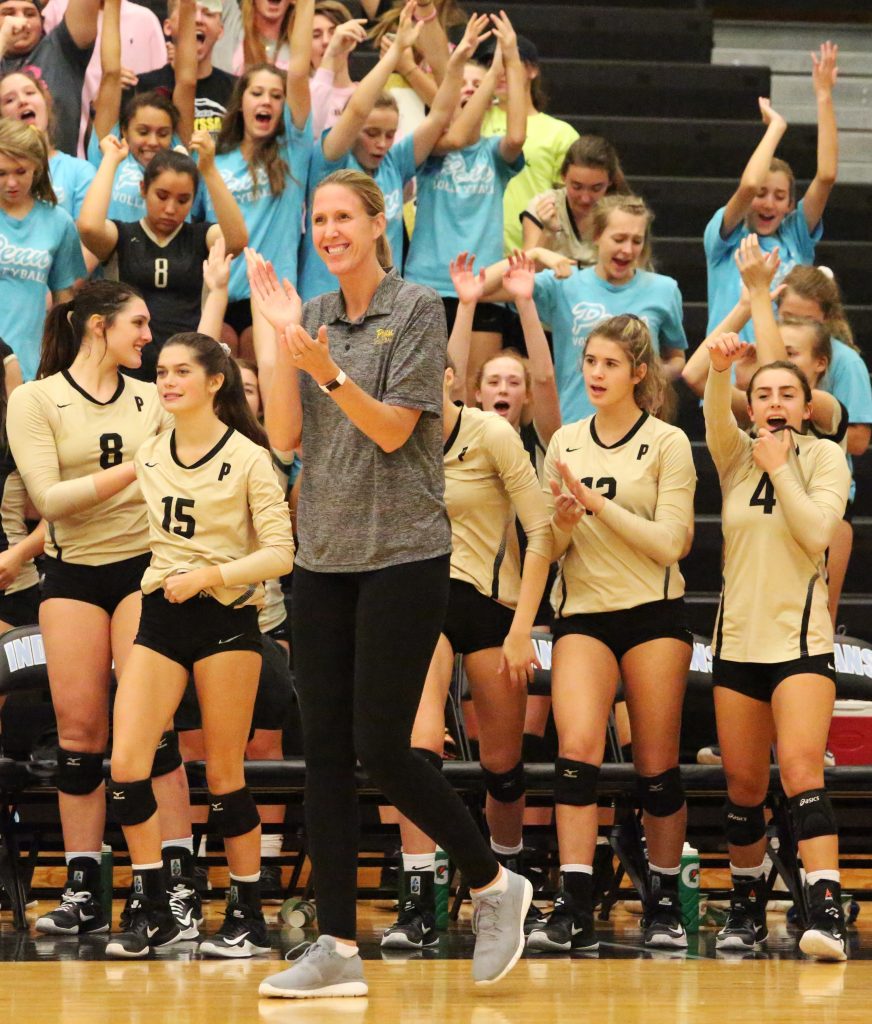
pixel 362 645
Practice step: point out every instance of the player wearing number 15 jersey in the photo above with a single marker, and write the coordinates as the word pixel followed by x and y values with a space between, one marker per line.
pixel 784 494
pixel 73 433
pixel 621 486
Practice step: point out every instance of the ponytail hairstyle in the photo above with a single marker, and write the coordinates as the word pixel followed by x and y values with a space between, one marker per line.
pixel 817 284
pixel 20 141
pixel 170 160
pixel 633 205
pixel 777 164
pixel 266 153
pixel 599 154
pixel 229 402
pixel 373 200
pixel 632 334
pixel 781 364
pixel 66 324
pixel 34 75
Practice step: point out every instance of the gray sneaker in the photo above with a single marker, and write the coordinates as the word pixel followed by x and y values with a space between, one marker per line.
pixel 498 922
pixel 320 971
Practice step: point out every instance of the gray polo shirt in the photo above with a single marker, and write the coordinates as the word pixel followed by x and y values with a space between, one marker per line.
pixel 362 508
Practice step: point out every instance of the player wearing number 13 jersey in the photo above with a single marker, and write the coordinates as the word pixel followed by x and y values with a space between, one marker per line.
pixel 784 495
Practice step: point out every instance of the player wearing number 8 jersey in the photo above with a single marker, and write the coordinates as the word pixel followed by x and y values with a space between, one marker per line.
pixel 623 522
pixel 73 433
pixel 784 493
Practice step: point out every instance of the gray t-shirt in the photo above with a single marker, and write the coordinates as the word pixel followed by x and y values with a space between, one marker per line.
pixel 62 65
pixel 362 508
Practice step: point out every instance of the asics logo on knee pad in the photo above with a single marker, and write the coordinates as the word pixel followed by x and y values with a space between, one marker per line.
pixel 809 800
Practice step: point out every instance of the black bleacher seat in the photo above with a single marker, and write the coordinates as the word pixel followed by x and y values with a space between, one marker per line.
pixel 620 33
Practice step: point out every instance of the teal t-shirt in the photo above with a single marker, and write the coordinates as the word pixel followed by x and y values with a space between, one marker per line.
pixel 70 178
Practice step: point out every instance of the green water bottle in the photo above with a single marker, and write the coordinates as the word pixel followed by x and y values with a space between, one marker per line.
pixel 106 880
pixel 440 888
pixel 688 888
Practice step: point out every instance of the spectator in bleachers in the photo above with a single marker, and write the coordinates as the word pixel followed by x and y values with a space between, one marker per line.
pixel 561 219
pixel 573 305
pixel 62 55
pixel 142 48
pixel 40 255
pixel 363 139
pixel 548 139
pixel 773 664
pixel 267 27
pixel 621 490
pixel 162 255
pixel 335 36
pixel 765 201
pixel 194 26
pixel 460 190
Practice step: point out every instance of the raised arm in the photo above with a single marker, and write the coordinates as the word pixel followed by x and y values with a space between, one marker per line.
pixel 185 68
pixel 107 108
pixel 231 223
pixel 298 95
pixel 216 277
pixel 725 440
pixel 81 21
pixel 756 169
pixel 97 232
pixel 824 75
pixel 512 143
pixel 432 42
pixel 469 287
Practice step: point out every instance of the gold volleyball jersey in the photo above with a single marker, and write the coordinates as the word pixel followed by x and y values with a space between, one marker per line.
pixel 59 436
pixel 13 528
pixel 226 508
pixel 628 554
pixel 489 478
pixel 773 603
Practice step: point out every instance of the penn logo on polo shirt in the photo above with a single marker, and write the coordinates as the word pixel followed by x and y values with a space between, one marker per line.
pixel 384 335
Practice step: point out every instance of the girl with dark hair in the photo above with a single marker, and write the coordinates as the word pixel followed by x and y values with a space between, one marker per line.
pixel 372 573
pixel 621 490
pixel 162 254
pixel 218 525
pixel 773 672
pixel 561 219
pixel 41 254
pixel 73 433
pixel 765 200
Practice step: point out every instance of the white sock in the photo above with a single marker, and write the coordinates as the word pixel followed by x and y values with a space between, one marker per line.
pixel 184 844
pixel 90 854
pixel 271 844
pixel 344 950
pixel 663 871
pixel 147 867
pixel 826 874
pixel 245 878
pixel 507 851
pixel 499 885
pixel 747 872
pixel 584 869
pixel 413 863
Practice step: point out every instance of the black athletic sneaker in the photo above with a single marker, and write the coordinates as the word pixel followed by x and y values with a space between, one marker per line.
pixel 147 925
pixel 271 888
pixel 80 911
pixel 661 923
pixel 825 937
pixel 536 918
pixel 565 929
pixel 186 908
pixel 413 929
pixel 243 934
pixel 745 926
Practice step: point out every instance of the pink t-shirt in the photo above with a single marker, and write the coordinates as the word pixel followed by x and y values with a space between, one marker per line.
pixel 328 100
pixel 143 48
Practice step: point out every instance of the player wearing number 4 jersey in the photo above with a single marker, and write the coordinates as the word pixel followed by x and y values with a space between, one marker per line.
pixel 784 494
pixel 219 526
pixel 623 521
pixel 73 433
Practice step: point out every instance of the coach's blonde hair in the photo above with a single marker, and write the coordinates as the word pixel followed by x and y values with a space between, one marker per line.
pixel 20 141
pixel 365 188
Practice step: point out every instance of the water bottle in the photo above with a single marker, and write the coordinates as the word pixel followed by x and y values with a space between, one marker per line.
pixel 440 888
pixel 688 888
pixel 106 880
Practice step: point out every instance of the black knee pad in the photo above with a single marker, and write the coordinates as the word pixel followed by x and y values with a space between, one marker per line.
pixel 812 815
pixel 661 795
pixel 743 826
pixel 430 756
pixel 233 814
pixel 132 802
pixel 575 782
pixel 506 787
pixel 167 757
pixel 78 773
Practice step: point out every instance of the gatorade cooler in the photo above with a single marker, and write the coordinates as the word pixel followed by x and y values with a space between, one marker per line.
pixel 850 737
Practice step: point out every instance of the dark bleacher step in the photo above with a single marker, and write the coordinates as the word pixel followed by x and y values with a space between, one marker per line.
pixel 677 146
pixel 573 30
pixel 683 259
pixel 649 89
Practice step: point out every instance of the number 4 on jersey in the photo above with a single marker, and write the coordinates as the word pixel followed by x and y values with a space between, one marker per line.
pixel 764 495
